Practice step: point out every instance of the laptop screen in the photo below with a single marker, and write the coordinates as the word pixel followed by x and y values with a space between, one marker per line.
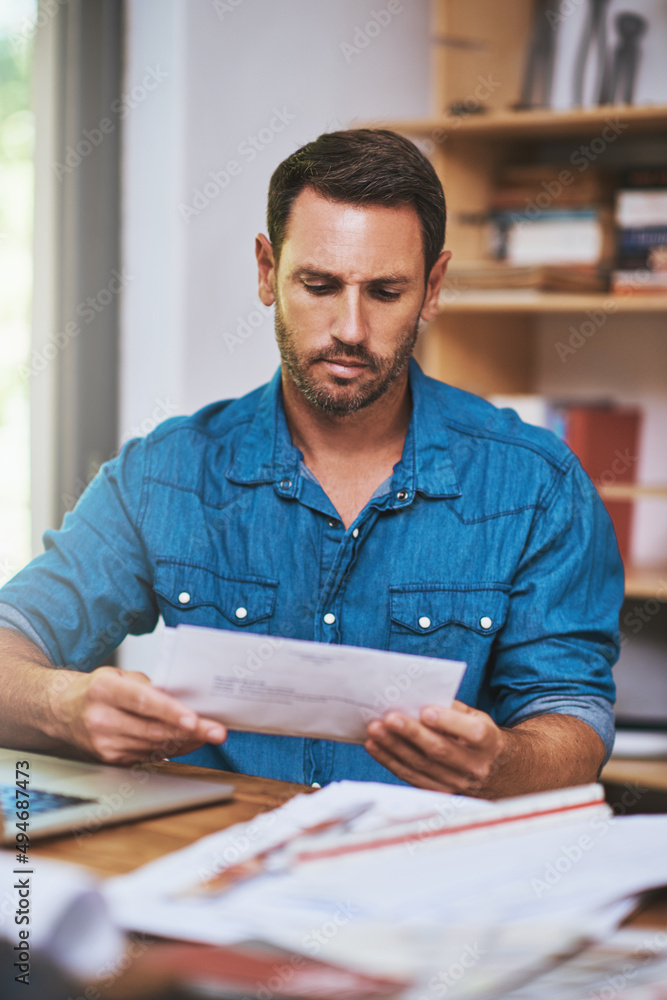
pixel 40 801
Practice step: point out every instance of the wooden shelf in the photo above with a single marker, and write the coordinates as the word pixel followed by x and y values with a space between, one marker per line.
pixel 536 123
pixel 646 582
pixel 632 491
pixel 528 300
pixel 652 773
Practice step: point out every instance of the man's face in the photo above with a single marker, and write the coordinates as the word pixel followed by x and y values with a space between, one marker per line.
pixel 349 291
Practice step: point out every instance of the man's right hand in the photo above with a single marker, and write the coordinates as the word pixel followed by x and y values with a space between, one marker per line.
pixel 118 717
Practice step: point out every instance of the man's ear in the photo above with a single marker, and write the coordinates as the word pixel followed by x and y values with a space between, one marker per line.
pixel 265 270
pixel 433 285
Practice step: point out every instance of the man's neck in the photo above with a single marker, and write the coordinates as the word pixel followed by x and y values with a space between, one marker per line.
pixel 351 454
pixel 378 428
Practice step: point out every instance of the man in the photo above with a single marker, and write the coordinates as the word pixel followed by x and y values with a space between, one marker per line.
pixel 352 500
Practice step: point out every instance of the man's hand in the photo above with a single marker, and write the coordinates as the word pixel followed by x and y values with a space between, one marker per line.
pixel 455 749
pixel 462 750
pixel 118 717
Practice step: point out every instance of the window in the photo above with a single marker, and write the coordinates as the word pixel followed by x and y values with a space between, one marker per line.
pixel 17 24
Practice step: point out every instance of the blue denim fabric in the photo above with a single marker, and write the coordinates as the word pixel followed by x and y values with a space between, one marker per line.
pixel 485 518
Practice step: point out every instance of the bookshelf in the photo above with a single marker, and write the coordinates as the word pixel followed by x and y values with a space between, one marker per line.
pixel 488 341
pixel 536 124
pixel 520 300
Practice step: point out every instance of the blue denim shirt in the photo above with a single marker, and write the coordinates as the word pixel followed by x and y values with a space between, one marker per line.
pixel 488 544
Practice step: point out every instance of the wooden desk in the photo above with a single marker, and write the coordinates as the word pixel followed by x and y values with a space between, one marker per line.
pixel 120 849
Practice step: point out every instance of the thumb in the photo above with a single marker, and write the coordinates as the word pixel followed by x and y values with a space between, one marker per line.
pixel 135 675
pixel 460 706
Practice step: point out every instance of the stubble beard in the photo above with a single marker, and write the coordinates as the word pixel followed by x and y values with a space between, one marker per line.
pixel 347 398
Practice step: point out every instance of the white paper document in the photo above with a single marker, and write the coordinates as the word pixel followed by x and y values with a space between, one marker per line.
pixel 67 918
pixel 268 684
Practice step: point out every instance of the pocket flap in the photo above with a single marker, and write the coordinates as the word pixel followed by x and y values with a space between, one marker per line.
pixel 243 600
pixel 424 609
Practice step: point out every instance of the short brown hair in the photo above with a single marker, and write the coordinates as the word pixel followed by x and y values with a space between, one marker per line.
pixel 364 166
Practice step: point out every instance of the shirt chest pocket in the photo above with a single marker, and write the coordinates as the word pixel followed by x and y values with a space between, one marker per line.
pixel 446 621
pixel 192 595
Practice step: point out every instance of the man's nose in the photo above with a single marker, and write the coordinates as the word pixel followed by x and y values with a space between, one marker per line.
pixel 350 325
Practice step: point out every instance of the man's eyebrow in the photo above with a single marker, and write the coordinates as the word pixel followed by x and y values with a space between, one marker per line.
pixel 392 279
pixel 313 272
pixel 386 279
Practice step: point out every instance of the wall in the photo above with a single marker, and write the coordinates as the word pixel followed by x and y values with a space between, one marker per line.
pixel 217 93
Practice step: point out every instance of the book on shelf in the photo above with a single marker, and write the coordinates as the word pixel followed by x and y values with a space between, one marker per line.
pixel 640 264
pixel 605 439
pixel 644 177
pixel 569 236
pixel 639 280
pixel 642 247
pixel 548 215
pixel 638 208
pixel 526 188
pixel 498 276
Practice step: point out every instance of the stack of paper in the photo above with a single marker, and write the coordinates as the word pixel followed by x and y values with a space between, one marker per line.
pixel 500 906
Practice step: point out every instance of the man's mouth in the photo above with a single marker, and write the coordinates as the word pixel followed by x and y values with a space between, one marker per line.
pixel 344 367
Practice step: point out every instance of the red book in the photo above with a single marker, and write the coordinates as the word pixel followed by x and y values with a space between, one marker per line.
pixel 605 439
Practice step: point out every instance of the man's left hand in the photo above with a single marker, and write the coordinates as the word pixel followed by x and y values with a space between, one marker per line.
pixel 457 749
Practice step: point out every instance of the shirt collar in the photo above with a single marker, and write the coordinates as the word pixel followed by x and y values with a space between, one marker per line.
pixel 267 455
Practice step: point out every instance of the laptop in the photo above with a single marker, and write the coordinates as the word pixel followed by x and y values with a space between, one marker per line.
pixel 71 796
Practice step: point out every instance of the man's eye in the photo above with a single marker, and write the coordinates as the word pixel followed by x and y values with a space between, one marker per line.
pixel 317 289
pixel 386 295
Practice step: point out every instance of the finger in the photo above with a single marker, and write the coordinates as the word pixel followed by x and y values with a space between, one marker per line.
pixel 413 776
pixel 210 731
pixel 116 737
pixel 109 721
pixel 204 730
pixel 471 726
pixel 113 734
pixel 422 748
pixel 426 739
pixel 141 699
pixel 112 694
pixel 173 738
pixel 460 706
pixel 135 675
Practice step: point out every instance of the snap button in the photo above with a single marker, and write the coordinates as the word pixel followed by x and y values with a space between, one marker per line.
pixel 402 495
pixel 285 484
pixel 333 523
pixel 315 784
pixel 355 533
pixel 485 622
pixel 184 597
pixel 329 619
pixel 241 613
pixel 424 622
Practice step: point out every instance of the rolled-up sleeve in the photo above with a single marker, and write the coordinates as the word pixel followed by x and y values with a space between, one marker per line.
pixel 561 638
pixel 93 583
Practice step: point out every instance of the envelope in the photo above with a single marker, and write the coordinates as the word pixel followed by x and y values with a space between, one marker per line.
pixel 269 684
